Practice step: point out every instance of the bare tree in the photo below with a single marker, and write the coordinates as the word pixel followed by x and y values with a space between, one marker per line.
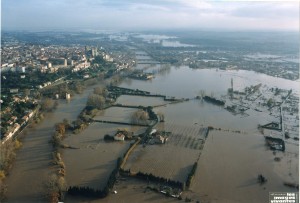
pixel 48 104
pixel 60 128
pixel 100 91
pixel 26 92
pixel 161 116
pixel 202 93
pixel 96 101
pixel 140 116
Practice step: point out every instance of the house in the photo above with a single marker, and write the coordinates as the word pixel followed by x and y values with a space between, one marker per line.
pixel 153 131
pixel 159 139
pixel 8 134
pixel 16 128
pixel 14 90
pixel 14 118
pixel 68 96
pixel 10 122
pixel 25 118
pixel 30 114
pixel 119 137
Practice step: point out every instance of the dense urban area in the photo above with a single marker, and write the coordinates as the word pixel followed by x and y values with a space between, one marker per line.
pixel 103 116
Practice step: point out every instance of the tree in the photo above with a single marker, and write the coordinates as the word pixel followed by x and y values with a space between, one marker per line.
pixel 26 92
pixel 67 124
pixel 100 91
pixel 140 116
pixel 60 128
pixel 96 101
pixel 78 87
pixel 161 116
pixel 48 104
pixel 270 102
pixel 202 93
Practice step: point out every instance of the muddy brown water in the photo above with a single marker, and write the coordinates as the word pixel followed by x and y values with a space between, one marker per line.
pixel 94 159
pixel 224 153
pixel 229 167
pixel 30 172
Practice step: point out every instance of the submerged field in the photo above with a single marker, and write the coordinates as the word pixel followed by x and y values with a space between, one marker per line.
pixel 229 166
pixel 139 100
pixel 91 164
pixel 172 160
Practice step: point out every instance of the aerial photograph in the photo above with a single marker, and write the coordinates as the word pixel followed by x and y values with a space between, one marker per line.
pixel 155 101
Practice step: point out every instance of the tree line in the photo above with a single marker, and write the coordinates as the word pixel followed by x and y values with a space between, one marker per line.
pixel 97 193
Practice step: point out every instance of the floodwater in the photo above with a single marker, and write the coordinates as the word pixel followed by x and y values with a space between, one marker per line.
pixel 27 179
pixel 201 113
pixel 229 163
pixel 186 82
pixel 116 114
pixel 138 100
pixel 229 166
pixel 94 159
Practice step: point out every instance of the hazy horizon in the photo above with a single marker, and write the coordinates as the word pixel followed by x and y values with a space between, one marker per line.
pixel 133 15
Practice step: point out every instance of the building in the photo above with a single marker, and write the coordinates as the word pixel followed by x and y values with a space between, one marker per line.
pixel 22 69
pixel 119 137
pixel 13 90
pixel 68 96
pixel 153 131
pixel 159 139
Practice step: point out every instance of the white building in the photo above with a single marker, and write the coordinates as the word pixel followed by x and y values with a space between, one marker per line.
pixel 68 96
pixel 119 137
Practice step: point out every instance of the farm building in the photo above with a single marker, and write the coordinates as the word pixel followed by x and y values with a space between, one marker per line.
pixel 119 137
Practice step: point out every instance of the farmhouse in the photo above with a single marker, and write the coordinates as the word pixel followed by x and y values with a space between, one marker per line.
pixel 119 137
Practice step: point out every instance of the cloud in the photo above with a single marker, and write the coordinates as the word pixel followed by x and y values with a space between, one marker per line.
pixel 267 10
pixel 146 14
pixel 194 4
pixel 148 7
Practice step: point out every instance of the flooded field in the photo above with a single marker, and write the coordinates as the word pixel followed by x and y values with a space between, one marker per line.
pixel 185 82
pixel 200 113
pixel 229 166
pixel 116 114
pixel 138 100
pixel 128 190
pixel 94 159
pixel 168 161
pixel 173 159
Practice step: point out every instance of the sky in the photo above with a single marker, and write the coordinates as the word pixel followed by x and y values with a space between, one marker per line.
pixel 150 14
